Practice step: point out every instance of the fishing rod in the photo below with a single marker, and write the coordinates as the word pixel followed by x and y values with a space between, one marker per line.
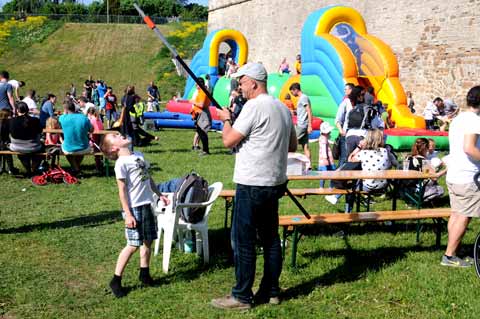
pixel 174 52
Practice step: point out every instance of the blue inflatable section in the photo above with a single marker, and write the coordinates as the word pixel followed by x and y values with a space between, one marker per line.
pixel 165 116
pixel 319 58
pixel 184 123
pixel 200 63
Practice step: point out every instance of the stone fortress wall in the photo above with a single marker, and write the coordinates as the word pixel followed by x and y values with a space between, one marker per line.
pixel 437 43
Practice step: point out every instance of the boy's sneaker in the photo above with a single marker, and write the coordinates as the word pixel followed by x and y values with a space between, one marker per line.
pixel 230 303
pixel 454 261
pixel 332 199
pixel 117 289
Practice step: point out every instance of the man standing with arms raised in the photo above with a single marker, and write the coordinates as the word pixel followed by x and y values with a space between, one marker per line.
pixel 263 134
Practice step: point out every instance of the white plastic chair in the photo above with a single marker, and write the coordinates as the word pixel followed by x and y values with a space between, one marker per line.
pixel 200 228
pixel 169 223
pixel 167 219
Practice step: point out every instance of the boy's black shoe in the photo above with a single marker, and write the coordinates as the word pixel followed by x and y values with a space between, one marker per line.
pixel 116 286
pixel 145 278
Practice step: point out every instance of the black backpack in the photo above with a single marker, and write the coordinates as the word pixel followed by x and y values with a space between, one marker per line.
pixel 193 189
pixel 356 116
pixel 361 116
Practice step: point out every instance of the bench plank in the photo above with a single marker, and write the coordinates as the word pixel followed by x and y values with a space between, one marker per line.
pixel 5 152
pixel 336 218
pixel 230 193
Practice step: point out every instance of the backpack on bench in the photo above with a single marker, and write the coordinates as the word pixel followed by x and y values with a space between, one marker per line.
pixel 193 189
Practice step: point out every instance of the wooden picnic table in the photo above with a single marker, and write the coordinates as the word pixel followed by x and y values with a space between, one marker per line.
pixel 392 174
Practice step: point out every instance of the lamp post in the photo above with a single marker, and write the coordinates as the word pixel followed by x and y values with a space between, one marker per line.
pixel 108 17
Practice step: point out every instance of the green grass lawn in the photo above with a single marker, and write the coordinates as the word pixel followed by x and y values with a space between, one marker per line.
pixel 60 245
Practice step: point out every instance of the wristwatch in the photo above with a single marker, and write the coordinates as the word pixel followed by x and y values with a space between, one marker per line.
pixel 228 120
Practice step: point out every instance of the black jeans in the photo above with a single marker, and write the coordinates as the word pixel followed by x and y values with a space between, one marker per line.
pixel 256 213
pixel 203 138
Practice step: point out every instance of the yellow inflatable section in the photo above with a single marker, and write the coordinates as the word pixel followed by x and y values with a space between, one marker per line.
pixel 222 36
pixel 378 66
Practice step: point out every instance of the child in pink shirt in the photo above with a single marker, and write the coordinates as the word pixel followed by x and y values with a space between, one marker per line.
pixel 97 124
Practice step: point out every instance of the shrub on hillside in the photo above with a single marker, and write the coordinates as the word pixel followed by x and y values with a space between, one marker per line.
pixel 23 33
pixel 187 39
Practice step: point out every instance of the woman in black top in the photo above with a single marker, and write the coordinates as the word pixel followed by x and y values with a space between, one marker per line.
pixel 25 133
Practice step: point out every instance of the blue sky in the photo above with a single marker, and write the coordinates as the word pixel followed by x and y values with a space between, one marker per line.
pixel 203 2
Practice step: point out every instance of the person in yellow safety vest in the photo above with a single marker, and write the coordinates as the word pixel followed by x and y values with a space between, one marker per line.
pixel 141 137
pixel 138 109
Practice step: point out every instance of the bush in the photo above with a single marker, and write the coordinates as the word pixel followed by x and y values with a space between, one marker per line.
pixel 18 33
pixel 187 39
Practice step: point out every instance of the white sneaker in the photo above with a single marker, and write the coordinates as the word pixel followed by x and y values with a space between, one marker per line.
pixel 332 199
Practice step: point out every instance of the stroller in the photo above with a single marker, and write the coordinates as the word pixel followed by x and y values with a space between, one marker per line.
pixel 53 172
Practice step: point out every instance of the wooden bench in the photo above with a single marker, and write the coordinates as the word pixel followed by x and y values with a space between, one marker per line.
pixel 106 163
pixel 291 223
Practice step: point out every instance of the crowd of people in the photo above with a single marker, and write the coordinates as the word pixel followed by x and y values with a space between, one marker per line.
pixel 260 130
pixel 22 121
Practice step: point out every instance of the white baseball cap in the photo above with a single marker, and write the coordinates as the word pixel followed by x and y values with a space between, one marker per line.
pixel 253 70
pixel 326 128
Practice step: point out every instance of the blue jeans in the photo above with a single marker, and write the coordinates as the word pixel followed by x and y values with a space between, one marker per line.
pixel 256 213
pixel 324 169
pixel 170 186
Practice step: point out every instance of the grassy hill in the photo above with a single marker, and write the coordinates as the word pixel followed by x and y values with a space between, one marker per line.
pixel 120 54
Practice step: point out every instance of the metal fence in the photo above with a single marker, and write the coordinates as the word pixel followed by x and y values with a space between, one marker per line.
pixel 87 18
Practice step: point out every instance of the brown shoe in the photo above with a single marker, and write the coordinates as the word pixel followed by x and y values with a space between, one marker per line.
pixel 230 303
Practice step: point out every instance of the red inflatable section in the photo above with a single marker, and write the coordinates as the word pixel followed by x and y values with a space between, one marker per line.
pixel 185 107
pixel 413 132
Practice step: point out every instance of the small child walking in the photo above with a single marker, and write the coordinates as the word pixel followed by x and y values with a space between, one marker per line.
pixel 325 156
pixel 135 189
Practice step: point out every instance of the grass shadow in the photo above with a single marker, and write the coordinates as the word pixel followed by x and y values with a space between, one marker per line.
pixel 357 263
pixel 101 218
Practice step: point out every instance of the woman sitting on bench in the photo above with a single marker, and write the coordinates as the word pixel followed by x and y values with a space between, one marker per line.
pixel 373 157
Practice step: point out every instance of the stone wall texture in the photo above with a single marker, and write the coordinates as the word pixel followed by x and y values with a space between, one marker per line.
pixel 437 43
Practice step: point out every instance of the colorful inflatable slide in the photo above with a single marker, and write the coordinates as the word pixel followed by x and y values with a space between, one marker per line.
pixel 336 49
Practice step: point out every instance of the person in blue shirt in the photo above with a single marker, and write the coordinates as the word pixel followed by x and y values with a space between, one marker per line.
pixel 48 109
pixel 101 89
pixel 76 127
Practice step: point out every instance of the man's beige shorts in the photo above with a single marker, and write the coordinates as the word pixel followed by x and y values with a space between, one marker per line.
pixel 465 199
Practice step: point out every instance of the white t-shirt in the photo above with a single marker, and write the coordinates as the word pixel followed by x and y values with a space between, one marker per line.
pixel 372 161
pixel 462 168
pixel 87 106
pixel 262 155
pixel 429 111
pixel 134 170
pixel 31 104
pixel 14 83
pixel 302 114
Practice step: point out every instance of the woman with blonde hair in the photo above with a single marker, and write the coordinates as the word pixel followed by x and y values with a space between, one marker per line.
pixel 373 156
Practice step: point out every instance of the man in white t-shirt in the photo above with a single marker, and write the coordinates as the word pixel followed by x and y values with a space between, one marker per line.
pixel 84 104
pixel 263 134
pixel 304 118
pixel 32 105
pixel 16 85
pixel 463 163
